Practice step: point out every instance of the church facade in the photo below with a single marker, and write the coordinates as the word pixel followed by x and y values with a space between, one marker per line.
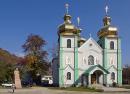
pixel 83 61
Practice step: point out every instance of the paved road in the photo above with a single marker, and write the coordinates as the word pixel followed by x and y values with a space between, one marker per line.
pixel 50 91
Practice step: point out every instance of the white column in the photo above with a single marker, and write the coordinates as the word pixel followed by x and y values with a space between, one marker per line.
pixel 89 79
pixel 96 78
pixel 101 79
pixel 105 79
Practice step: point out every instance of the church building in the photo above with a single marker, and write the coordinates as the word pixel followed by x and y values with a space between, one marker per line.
pixel 84 62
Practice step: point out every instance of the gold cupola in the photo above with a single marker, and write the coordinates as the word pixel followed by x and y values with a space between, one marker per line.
pixel 107 30
pixel 67 28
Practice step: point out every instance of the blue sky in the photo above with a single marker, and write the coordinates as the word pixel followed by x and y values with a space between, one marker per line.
pixel 19 18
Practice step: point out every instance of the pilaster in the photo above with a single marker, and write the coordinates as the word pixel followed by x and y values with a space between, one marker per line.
pixel 76 72
pixel 105 61
pixel 61 77
pixel 119 59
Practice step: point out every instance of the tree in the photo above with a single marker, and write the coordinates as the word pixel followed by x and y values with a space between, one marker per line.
pixel 8 63
pixel 6 72
pixel 7 57
pixel 54 51
pixel 36 56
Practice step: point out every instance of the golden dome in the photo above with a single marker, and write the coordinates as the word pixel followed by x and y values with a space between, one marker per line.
pixel 107 30
pixel 67 28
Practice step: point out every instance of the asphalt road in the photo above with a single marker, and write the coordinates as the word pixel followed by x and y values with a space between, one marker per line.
pixel 50 91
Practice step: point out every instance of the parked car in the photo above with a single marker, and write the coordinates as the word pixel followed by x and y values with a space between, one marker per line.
pixel 47 80
pixel 7 84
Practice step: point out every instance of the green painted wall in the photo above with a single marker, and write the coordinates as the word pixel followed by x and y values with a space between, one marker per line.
pixel 61 80
pixel 103 42
pixel 119 58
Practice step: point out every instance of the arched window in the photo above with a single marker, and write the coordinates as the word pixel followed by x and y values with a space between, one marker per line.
pixel 68 43
pixel 68 76
pixel 90 60
pixel 113 76
pixel 111 45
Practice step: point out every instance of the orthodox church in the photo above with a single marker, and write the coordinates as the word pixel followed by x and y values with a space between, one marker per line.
pixel 83 61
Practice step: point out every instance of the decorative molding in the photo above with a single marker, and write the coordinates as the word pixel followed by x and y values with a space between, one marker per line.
pixel 84 60
pixel 68 65
pixel 68 60
pixel 111 67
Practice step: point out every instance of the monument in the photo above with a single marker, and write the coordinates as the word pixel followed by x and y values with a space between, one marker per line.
pixel 17 78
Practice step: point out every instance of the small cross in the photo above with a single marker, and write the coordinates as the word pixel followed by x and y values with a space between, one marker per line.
pixel 106 9
pixel 67 8
pixel 78 20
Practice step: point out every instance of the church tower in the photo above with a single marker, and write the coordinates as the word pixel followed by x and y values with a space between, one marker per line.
pixel 68 51
pixel 110 41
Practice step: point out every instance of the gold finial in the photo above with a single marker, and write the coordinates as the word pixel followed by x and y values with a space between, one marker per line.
pixel 67 8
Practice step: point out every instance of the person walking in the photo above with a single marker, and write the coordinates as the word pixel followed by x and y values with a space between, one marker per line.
pixel 13 88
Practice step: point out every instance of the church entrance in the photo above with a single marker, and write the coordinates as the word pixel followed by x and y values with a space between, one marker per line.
pixel 93 78
pixel 96 77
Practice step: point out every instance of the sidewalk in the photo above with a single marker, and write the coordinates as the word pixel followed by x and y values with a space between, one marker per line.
pixel 111 89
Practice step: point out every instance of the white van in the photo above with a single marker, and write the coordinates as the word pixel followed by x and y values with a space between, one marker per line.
pixel 47 80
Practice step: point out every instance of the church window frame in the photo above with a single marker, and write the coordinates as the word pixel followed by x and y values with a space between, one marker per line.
pixel 68 75
pixel 68 43
pixel 90 60
pixel 112 45
pixel 113 76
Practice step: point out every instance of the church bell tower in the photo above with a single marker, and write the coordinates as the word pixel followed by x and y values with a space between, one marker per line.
pixel 68 51
pixel 110 41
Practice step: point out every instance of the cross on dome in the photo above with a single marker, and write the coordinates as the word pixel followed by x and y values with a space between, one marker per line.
pixel 106 9
pixel 67 8
pixel 78 20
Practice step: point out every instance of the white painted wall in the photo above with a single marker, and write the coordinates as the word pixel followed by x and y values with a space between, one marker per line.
pixel 83 53
pixel 64 41
pixel 68 82
pixel 109 80
pixel 86 50
pixel 111 60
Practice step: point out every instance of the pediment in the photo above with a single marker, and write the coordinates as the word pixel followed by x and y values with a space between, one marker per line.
pixel 112 67
pixel 91 44
pixel 69 66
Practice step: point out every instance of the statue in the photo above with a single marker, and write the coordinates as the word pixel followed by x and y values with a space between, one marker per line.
pixel 17 78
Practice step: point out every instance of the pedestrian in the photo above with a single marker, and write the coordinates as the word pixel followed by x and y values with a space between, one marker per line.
pixel 13 88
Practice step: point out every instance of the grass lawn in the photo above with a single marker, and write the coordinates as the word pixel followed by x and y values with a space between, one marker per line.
pixel 85 89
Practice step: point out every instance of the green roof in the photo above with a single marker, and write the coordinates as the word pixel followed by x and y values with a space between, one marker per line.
pixel 93 67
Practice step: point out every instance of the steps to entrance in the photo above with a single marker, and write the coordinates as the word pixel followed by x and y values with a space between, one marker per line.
pixel 96 86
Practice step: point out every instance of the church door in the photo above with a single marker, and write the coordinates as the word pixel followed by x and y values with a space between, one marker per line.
pixel 93 78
